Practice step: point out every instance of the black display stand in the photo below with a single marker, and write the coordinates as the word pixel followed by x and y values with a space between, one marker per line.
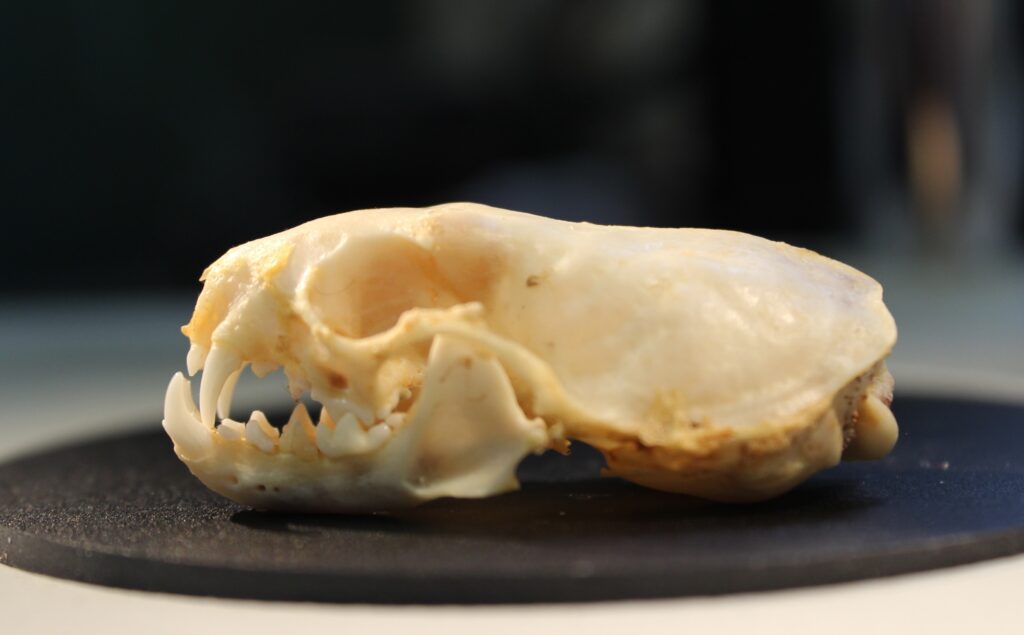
pixel 124 512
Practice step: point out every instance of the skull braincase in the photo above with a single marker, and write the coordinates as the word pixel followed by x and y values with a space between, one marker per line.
pixel 702 361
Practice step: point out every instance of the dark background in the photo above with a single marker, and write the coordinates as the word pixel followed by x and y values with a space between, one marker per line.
pixel 141 140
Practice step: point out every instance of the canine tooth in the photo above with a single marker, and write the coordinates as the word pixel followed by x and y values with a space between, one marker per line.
pixel 260 433
pixel 181 421
pixel 395 420
pixel 262 369
pixel 299 434
pixel 231 430
pixel 220 364
pixel 196 358
pixel 227 393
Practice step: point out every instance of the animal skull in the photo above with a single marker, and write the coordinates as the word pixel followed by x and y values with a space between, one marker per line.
pixel 447 343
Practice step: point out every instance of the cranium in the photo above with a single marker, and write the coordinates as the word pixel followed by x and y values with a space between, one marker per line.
pixel 447 343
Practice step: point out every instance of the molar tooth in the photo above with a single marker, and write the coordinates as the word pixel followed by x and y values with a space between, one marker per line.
pixel 226 395
pixel 336 440
pixel 220 364
pixel 376 436
pixel 260 433
pixel 340 406
pixel 395 420
pixel 181 421
pixel 231 430
pixel 299 434
pixel 196 358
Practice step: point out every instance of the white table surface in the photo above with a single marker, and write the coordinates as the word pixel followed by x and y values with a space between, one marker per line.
pixel 74 368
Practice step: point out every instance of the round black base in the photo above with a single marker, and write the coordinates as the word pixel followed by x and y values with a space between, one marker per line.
pixel 124 512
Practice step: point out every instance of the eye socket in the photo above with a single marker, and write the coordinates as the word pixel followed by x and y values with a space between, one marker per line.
pixel 366 284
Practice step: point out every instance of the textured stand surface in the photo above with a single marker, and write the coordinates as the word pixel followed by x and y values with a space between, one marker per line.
pixel 124 512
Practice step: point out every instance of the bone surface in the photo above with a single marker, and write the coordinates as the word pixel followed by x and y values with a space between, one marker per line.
pixel 446 343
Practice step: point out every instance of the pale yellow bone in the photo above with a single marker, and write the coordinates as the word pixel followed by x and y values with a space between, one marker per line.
pixel 707 362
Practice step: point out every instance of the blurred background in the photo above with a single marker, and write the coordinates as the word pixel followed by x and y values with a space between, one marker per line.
pixel 141 140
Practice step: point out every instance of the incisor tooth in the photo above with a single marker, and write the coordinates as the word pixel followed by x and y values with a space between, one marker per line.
pixel 299 434
pixel 181 421
pixel 220 364
pixel 260 433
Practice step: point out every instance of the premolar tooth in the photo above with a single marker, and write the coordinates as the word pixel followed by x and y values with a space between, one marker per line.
pixel 231 430
pixel 260 433
pixel 347 437
pixel 227 393
pixel 332 438
pixel 220 364
pixel 181 421
pixel 299 434
pixel 262 369
pixel 376 436
pixel 340 406
pixel 296 384
pixel 196 358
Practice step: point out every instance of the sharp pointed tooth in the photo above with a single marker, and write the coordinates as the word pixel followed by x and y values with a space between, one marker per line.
pixel 220 364
pixel 227 393
pixel 299 434
pixel 181 421
pixel 231 430
pixel 260 433
pixel 196 358
pixel 395 420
